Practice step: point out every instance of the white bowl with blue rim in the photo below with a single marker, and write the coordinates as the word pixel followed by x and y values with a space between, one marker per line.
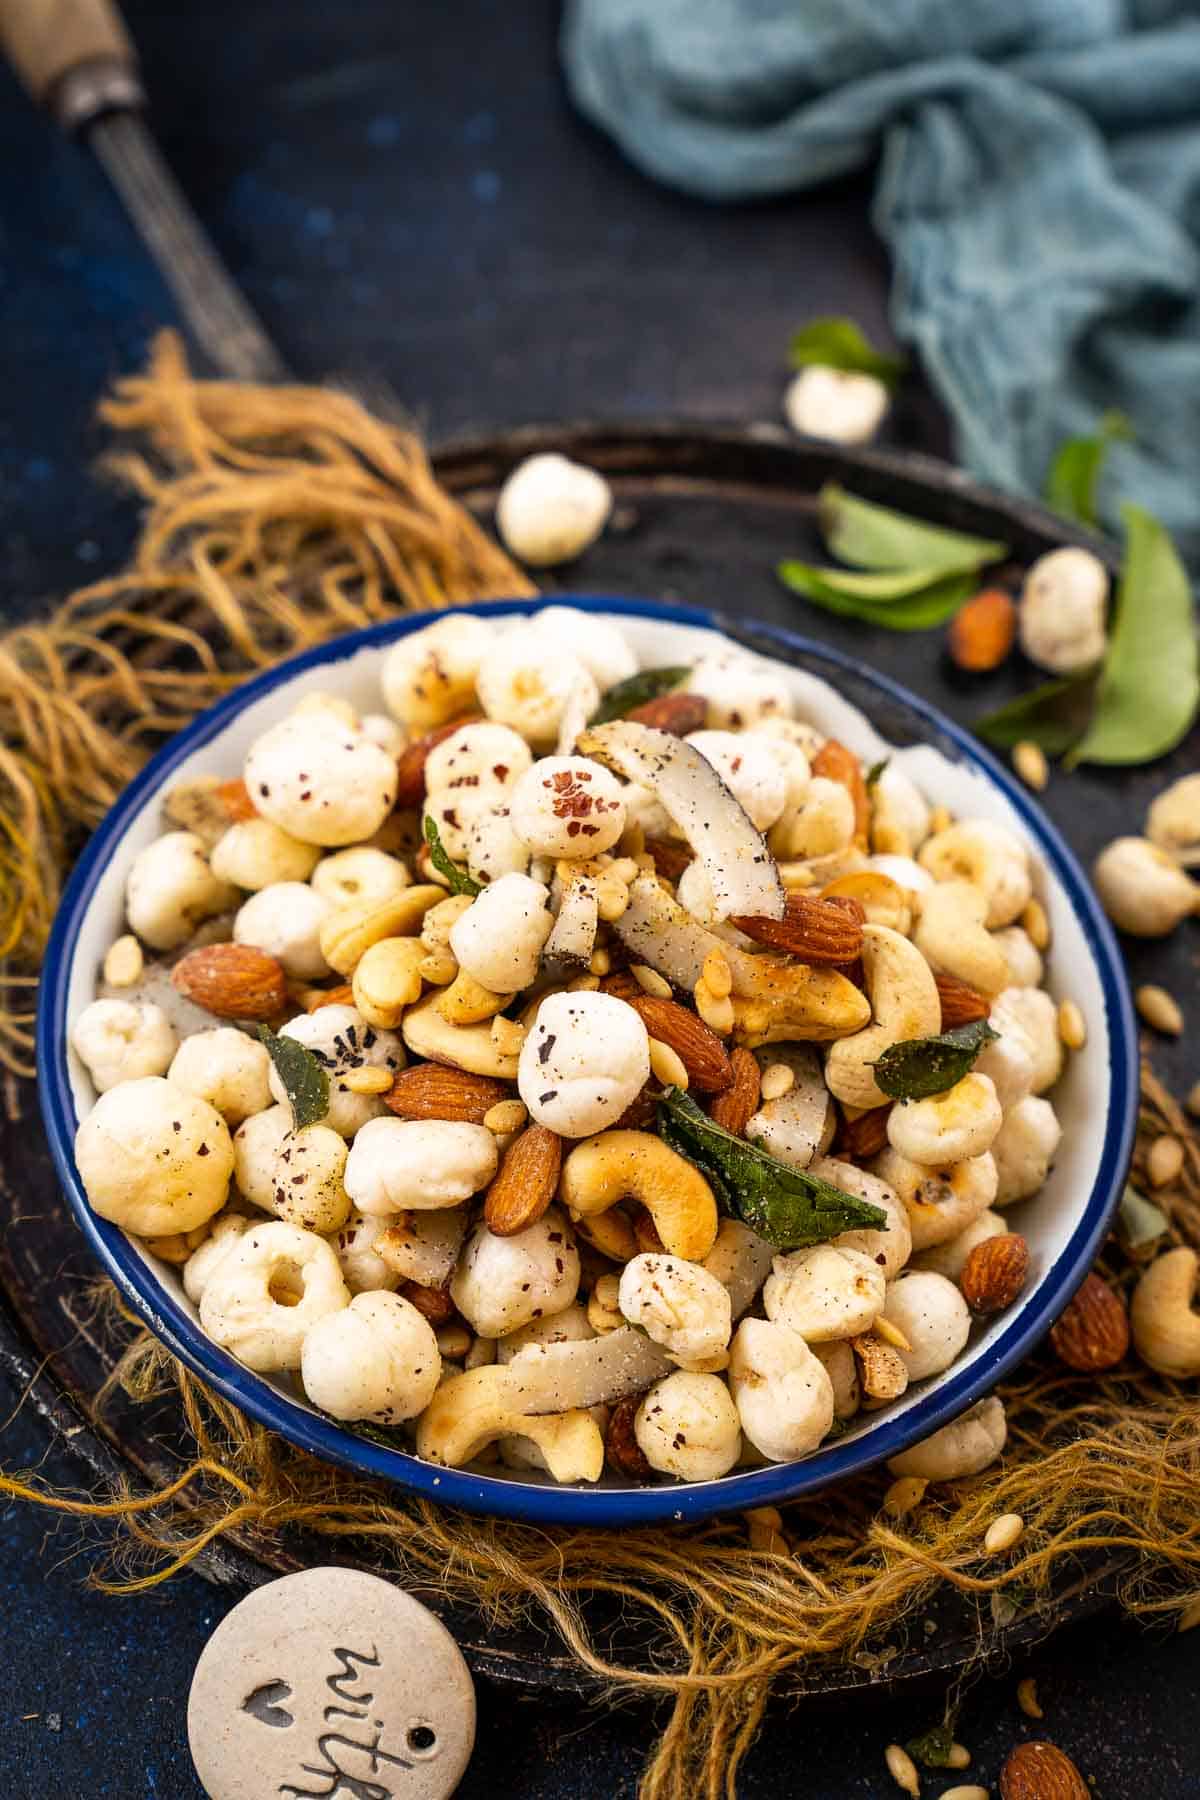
pixel 1096 1099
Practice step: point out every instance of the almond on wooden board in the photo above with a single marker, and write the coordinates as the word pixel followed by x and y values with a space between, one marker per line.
pixel 1040 1771
pixel 961 1003
pixel 410 765
pixel 696 1044
pixel 981 632
pixel 734 1109
pixel 995 1272
pixel 1093 1332
pixel 835 762
pixel 232 981
pixel 815 930
pixel 525 1183
pixel 434 1091
pixel 676 713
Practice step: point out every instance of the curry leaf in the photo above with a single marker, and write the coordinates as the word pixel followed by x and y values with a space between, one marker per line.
pixel 919 1067
pixel 837 343
pixel 636 690
pixel 460 882
pixel 788 1207
pixel 876 537
pixel 1150 682
pixel 305 1081
pixel 930 605
pixel 1054 716
pixel 876 770
pixel 933 1748
pixel 1075 472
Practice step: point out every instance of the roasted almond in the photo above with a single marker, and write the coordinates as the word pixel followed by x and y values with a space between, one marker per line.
pixel 697 1046
pixel 433 1304
pixel 816 931
pixel 835 762
pixel 1039 1771
pixel 734 1109
pixel 1093 1333
pixel 670 859
pixel 433 1091
pixel 981 632
pixel 622 1451
pixel 315 998
pixel 525 1183
pixel 676 713
pixel 864 1135
pixel 995 1272
pixel 621 984
pixel 410 764
pixel 232 981
pixel 961 1003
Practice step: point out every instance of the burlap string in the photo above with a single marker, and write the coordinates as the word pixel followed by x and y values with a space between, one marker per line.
pixel 276 518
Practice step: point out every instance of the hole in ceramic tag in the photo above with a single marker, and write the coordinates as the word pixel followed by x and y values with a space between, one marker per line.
pixel 266 1704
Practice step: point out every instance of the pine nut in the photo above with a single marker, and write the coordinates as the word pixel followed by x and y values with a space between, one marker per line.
pixel 666 1065
pixel 958 1757
pixel 650 981
pixel 777 1080
pixel 1160 1010
pixel 625 868
pixel 1037 925
pixel 124 963
pixel 905 1494
pixel 890 1334
pixel 1072 1027
pixel 583 984
pixel 1027 1698
pixel 717 975
pixel 368 1081
pixel 1029 760
pixel 717 1013
pixel 612 895
pixel 505 1116
pixel 607 1290
pixel 601 962
pixel 1164 1161
pixel 902 1769
pixel 966 1793
pixel 1003 1533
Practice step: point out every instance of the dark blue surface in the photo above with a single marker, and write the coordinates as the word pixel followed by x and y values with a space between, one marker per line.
pixel 405 190
pixel 949 1396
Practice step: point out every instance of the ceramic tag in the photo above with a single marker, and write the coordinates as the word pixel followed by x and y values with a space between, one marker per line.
pixel 331 1685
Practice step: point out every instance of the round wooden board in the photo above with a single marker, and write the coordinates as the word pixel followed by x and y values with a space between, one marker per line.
pixel 702 515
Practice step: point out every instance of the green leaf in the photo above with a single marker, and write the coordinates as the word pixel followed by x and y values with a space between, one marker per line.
pixel 1075 472
pixel 837 343
pixel 460 881
pixel 919 1067
pixel 1054 715
pixel 929 606
pixel 932 1749
pixel 788 1207
pixel 875 537
pixel 876 770
pixel 1139 1221
pixel 304 1080
pixel 636 690
pixel 1150 682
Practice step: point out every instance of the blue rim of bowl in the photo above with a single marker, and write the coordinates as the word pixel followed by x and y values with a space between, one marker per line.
pixel 527 1502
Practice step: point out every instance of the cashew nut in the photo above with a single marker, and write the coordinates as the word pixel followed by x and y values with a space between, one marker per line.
pixel 883 900
pixel 904 1004
pixel 966 1446
pixel 470 1047
pixel 951 936
pixel 474 1409
pixel 948 1127
pixel 1166 1329
pixel 940 1202
pixel 623 1165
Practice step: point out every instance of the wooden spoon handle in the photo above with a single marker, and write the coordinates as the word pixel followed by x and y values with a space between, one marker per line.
pixel 48 40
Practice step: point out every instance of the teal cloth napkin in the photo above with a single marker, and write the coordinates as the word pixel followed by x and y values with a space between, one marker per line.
pixel 1038 189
